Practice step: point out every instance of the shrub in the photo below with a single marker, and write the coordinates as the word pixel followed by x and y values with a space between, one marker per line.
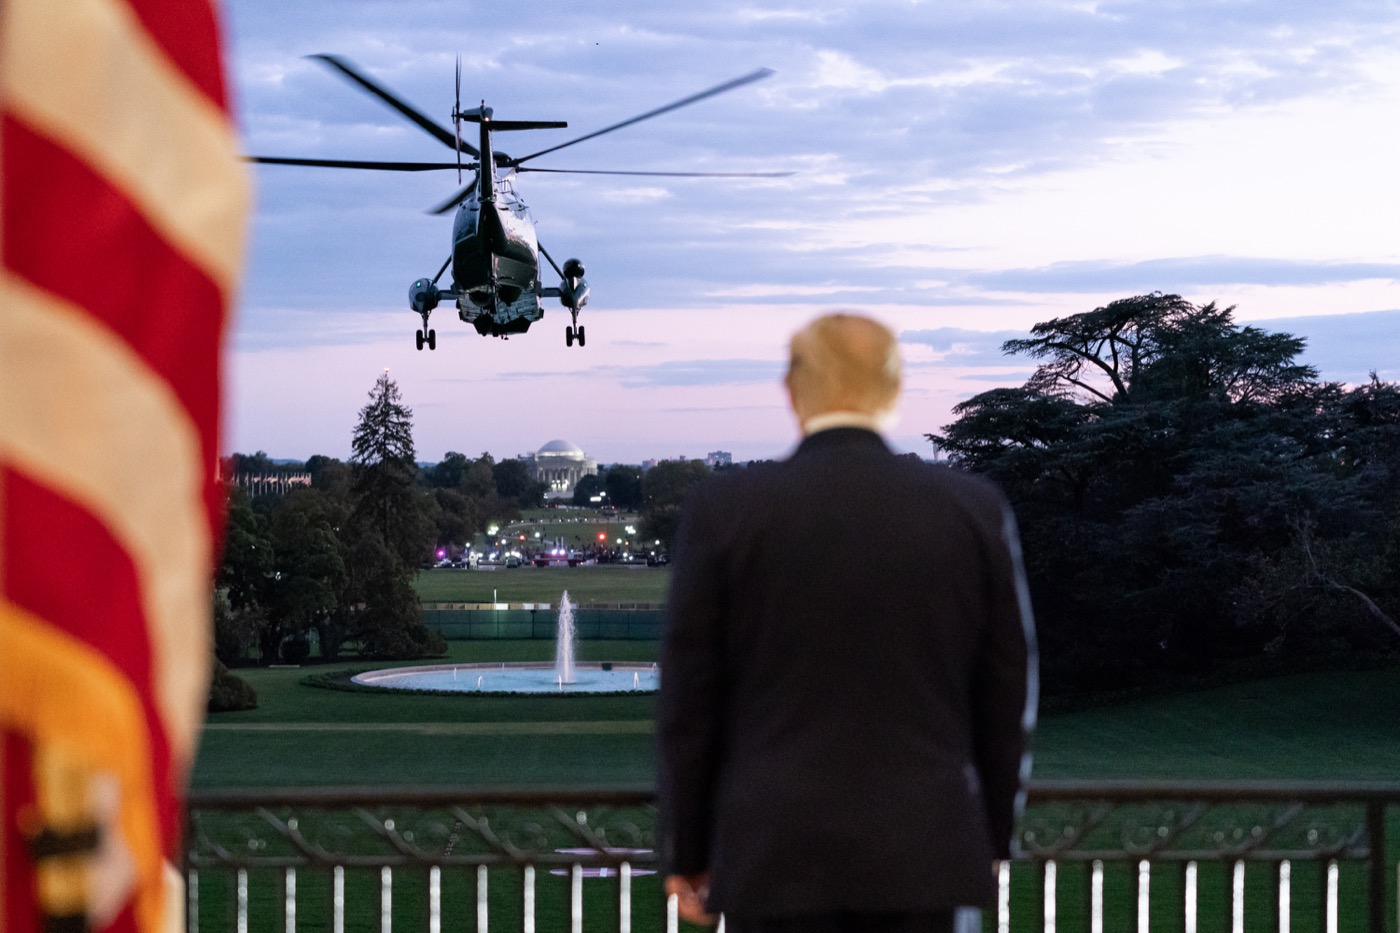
pixel 229 693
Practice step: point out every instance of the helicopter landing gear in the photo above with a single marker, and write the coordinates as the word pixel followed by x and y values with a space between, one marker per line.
pixel 574 331
pixel 425 335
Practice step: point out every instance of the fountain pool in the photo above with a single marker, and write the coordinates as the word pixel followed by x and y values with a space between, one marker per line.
pixel 563 675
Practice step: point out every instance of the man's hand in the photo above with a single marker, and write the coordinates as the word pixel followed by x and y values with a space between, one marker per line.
pixel 691 892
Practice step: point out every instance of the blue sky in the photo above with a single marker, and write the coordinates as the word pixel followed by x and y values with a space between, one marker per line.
pixel 962 171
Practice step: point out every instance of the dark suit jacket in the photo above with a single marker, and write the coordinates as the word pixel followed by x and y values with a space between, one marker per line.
pixel 847 684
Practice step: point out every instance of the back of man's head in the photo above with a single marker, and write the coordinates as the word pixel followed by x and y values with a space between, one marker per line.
pixel 843 362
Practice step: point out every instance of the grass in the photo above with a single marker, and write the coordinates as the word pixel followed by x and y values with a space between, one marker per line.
pixel 608 584
pixel 1318 726
pixel 411 739
pixel 1326 726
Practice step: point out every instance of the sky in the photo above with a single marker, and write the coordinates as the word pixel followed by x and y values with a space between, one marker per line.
pixel 961 171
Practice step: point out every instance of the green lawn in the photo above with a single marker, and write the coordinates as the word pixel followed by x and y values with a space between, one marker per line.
pixel 605 584
pixel 1320 726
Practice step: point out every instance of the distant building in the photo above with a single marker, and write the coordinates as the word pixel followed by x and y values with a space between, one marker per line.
pixel 648 464
pixel 719 458
pixel 559 465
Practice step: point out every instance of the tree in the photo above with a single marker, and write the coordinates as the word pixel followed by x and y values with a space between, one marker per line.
pixel 1176 476
pixel 458 518
pixel 1159 345
pixel 624 486
pixel 308 585
pixel 386 472
pixel 513 483
pixel 391 528
pixel 666 486
pixel 331 476
pixel 236 631
pixel 246 563
pixel 391 625
pixel 448 472
pixel 586 488
pixel 478 478
pixel 243 580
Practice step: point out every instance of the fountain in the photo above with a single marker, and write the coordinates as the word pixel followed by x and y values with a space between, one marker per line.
pixel 564 641
pixel 563 675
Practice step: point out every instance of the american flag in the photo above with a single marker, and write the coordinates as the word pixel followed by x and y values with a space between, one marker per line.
pixel 122 203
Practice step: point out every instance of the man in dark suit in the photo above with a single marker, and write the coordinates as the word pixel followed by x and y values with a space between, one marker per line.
pixel 847 675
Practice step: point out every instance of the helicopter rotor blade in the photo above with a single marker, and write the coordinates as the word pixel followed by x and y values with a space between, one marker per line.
pixel 441 134
pixel 461 195
pixel 457 117
pixel 589 171
pixel 356 163
pixel 694 98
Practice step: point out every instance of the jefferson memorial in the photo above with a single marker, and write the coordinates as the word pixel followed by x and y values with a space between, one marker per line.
pixel 559 465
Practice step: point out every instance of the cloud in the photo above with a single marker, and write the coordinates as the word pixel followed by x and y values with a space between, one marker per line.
pixel 1347 347
pixel 959 347
pixel 781 291
pixel 961 162
pixel 1177 275
pixel 721 372
pixel 647 195
pixel 293 328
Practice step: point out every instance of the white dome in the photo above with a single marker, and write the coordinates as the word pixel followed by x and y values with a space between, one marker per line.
pixel 558 448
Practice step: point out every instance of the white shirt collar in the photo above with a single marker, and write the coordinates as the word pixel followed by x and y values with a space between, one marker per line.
pixel 842 419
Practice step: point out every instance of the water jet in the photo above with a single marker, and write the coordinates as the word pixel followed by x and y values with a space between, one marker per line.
pixel 564 675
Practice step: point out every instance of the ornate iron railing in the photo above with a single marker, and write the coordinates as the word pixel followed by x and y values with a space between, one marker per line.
pixel 1096 857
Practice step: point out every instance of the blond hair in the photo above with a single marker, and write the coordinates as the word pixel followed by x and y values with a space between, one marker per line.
pixel 843 362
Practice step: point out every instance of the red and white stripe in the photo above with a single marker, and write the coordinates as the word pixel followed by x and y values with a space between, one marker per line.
pixel 122 203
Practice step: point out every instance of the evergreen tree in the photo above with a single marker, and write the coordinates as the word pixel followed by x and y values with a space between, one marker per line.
pixel 386 473
pixel 392 529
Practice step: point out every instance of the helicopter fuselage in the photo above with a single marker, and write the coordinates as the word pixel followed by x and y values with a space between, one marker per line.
pixel 495 261
pixel 495 258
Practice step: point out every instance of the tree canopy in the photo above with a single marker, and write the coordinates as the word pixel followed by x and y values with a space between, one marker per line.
pixel 1190 493
pixel 386 471
pixel 665 488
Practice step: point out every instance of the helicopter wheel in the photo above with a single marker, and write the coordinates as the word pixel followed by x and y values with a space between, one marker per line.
pixel 432 340
pixel 419 336
pixel 568 336
pixel 579 334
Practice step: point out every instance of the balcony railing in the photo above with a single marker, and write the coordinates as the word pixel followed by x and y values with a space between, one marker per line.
pixel 1096 857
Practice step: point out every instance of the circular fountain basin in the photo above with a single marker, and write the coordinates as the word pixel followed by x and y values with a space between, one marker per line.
pixel 517 677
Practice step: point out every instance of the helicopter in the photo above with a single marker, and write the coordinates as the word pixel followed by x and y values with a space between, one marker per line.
pixel 495 283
